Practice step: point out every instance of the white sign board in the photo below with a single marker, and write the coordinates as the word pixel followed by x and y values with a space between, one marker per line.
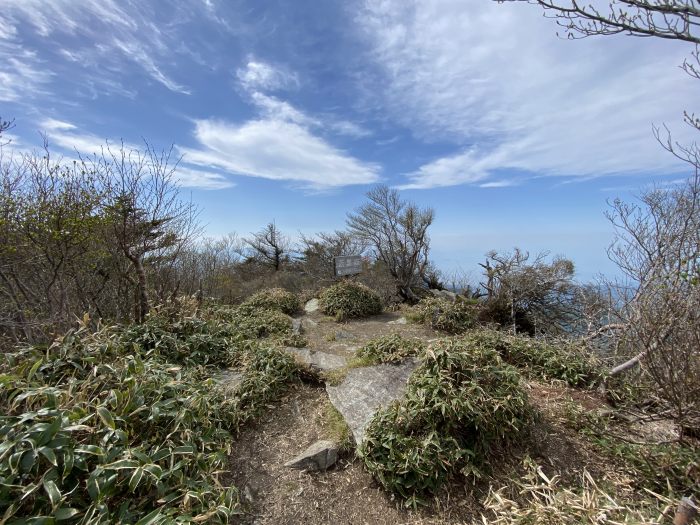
pixel 348 265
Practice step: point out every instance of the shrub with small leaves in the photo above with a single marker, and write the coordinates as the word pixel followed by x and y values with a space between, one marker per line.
pixel 348 299
pixel 389 349
pixel 189 340
pixel 253 322
pixel 562 361
pixel 275 299
pixel 123 426
pixel 447 316
pixel 460 402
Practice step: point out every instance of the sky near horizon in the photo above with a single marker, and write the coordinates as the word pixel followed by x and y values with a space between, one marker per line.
pixel 291 111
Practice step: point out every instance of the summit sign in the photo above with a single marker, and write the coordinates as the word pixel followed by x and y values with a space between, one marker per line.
pixel 347 265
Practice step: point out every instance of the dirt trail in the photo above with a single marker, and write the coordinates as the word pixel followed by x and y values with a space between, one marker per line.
pixel 343 494
pixel 324 334
pixel 346 493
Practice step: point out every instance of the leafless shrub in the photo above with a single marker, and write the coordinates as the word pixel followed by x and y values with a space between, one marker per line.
pixel 530 295
pixel 657 246
pixel 397 233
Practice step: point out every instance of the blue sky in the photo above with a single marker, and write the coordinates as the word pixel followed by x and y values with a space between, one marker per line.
pixel 292 110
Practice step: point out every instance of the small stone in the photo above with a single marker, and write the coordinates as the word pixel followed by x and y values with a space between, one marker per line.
pixel 400 320
pixel 311 306
pixel 296 326
pixel 319 456
pixel 249 493
pixel 230 379
pixel 344 335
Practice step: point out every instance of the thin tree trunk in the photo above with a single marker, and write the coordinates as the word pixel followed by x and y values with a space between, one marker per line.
pixel 18 307
pixel 143 305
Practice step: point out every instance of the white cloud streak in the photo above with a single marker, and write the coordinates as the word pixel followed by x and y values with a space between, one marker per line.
pixel 69 138
pixel 103 35
pixel 494 80
pixel 22 73
pixel 277 150
pixel 258 77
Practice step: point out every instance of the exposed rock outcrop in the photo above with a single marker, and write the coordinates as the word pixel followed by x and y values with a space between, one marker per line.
pixel 365 390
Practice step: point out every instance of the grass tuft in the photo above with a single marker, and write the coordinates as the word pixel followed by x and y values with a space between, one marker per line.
pixel 275 299
pixel 388 349
pixel 125 424
pixel 445 316
pixel 349 300
pixel 460 402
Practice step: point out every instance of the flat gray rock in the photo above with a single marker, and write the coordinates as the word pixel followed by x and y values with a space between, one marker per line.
pixel 400 320
pixel 319 456
pixel 320 361
pixel 296 326
pixel 347 348
pixel 365 390
pixel 311 306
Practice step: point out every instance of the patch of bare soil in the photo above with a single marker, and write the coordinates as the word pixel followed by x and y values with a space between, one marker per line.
pixel 327 335
pixel 557 445
pixel 345 494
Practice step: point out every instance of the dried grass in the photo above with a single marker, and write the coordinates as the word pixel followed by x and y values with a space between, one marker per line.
pixel 543 500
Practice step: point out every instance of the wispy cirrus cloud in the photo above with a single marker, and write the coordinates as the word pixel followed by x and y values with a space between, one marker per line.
pixel 259 78
pixel 22 73
pixel 278 150
pixel 71 139
pixel 495 81
pixel 101 35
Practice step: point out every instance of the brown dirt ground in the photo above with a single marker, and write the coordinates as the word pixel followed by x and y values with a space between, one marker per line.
pixel 344 338
pixel 345 494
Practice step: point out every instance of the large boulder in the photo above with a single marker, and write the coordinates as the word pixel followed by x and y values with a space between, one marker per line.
pixel 365 390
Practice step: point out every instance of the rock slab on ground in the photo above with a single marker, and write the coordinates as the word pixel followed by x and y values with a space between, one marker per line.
pixel 365 390
pixel 400 320
pixel 319 456
pixel 320 361
pixel 311 306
